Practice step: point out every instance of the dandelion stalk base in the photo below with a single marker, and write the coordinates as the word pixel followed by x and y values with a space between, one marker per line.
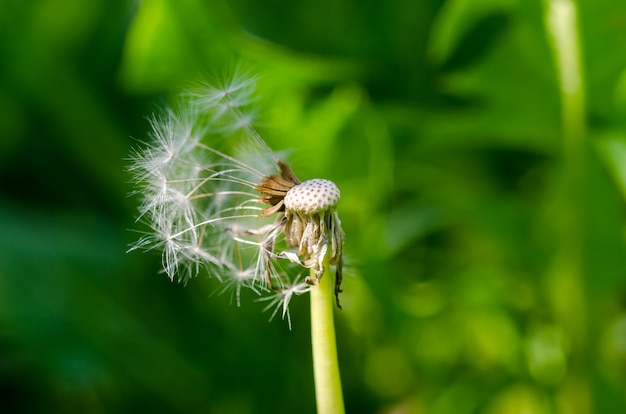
pixel 328 391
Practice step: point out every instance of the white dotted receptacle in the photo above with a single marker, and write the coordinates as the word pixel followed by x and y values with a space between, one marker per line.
pixel 312 196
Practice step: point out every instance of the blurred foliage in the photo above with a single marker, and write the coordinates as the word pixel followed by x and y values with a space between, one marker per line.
pixel 440 121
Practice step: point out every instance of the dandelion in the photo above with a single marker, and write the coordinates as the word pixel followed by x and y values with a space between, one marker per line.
pixel 217 199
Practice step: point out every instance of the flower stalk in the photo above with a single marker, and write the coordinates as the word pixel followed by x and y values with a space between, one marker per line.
pixel 328 392
pixel 566 281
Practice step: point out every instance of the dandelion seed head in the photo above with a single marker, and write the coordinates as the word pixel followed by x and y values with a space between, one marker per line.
pixel 206 179
pixel 310 221
pixel 312 196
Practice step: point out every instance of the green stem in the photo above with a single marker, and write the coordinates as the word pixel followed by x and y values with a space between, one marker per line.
pixel 328 392
pixel 566 283
pixel 568 291
pixel 561 23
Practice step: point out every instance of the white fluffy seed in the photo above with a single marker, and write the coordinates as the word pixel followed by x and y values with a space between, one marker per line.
pixel 312 196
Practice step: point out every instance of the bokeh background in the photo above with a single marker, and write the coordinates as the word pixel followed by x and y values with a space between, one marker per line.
pixel 482 197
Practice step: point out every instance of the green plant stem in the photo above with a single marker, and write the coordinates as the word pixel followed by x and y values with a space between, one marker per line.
pixel 328 393
pixel 566 281
pixel 561 25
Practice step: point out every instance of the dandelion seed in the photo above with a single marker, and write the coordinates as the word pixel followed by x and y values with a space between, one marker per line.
pixel 280 300
pixel 217 198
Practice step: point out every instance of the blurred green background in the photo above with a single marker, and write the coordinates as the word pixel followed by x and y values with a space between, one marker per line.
pixel 486 265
